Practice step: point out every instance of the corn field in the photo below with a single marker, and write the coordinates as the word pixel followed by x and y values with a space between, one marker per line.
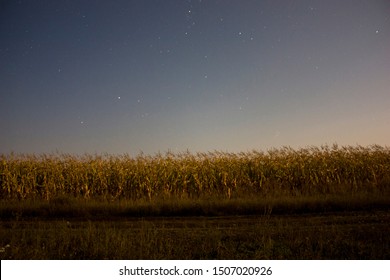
pixel 309 171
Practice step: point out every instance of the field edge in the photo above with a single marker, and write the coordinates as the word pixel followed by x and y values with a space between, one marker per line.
pixel 66 207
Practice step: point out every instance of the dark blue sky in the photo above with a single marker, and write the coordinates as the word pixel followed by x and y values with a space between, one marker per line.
pixel 132 76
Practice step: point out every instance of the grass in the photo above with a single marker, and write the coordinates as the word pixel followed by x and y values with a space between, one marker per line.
pixel 349 235
pixel 319 202
pixel 87 210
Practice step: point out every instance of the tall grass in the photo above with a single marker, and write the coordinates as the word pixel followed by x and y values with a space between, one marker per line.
pixel 308 171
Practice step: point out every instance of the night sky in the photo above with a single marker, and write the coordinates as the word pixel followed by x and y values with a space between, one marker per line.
pixel 151 76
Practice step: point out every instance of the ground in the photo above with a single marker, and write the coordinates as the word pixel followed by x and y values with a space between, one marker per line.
pixel 329 235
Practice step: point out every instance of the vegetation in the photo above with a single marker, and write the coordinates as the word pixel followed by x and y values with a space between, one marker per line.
pixel 358 235
pixel 311 171
pixel 313 203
